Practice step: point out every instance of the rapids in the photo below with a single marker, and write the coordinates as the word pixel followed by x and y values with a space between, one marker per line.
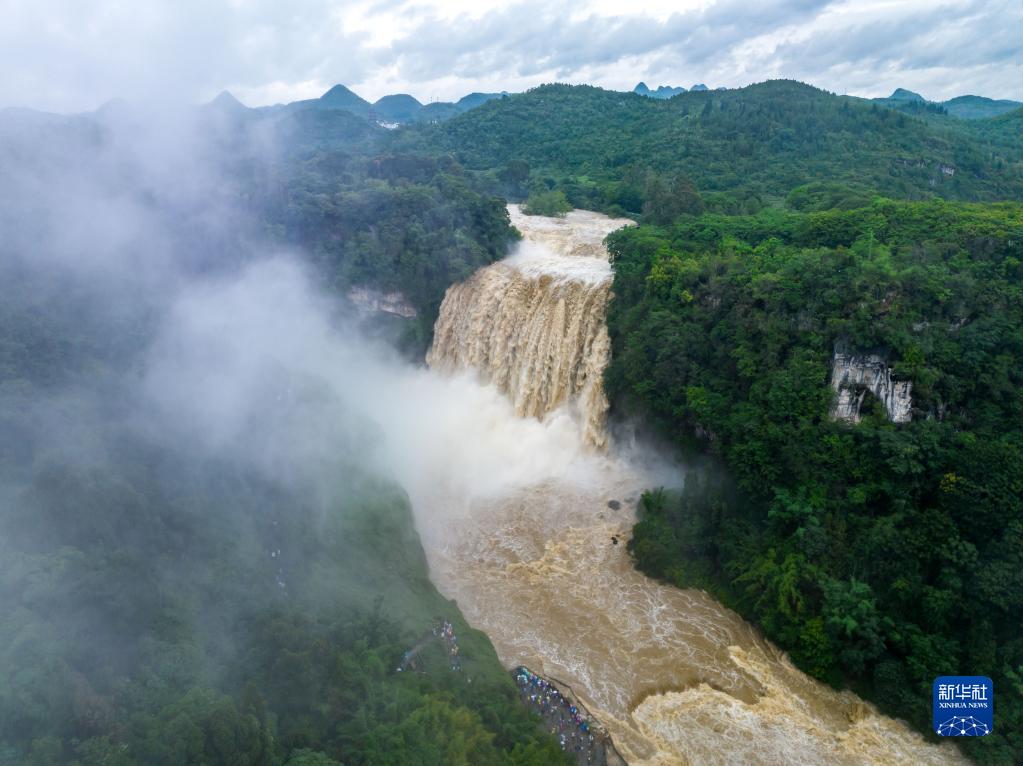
pixel 517 528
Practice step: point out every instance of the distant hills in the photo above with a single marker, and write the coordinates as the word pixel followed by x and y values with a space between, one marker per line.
pixel 388 111
pixel 396 109
pixel 961 107
pixel 978 107
pixel 901 94
pixel 666 91
pixel 663 91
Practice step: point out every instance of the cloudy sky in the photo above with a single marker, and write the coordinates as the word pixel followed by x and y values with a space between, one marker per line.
pixel 69 55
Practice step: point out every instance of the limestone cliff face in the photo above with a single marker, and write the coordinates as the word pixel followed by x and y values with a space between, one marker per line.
pixel 853 377
pixel 370 300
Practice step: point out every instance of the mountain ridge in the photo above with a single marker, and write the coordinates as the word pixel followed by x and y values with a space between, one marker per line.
pixel 765 139
pixel 966 107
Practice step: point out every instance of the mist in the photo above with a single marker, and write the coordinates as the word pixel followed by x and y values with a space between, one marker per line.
pixel 201 437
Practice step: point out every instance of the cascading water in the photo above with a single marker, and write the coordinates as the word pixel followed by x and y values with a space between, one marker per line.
pixel 516 521
pixel 533 325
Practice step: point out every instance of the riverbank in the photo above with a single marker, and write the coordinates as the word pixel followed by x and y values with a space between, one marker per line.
pixel 567 718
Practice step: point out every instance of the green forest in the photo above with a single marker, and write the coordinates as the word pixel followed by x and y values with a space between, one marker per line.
pixel 149 627
pixel 744 149
pixel 879 555
pixel 406 223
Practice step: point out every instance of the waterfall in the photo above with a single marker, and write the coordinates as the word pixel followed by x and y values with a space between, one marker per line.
pixel 534 325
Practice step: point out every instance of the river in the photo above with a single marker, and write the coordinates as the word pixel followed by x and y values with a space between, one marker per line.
pixel 512 503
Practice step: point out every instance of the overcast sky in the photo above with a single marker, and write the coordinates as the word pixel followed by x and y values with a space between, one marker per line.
pixel 72 55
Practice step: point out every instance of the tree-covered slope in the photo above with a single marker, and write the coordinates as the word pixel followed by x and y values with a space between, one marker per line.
pixel 170 609
pixel 392 222
pixel 880 555
pixel 979 107
pixel 322 181
pixel 758 142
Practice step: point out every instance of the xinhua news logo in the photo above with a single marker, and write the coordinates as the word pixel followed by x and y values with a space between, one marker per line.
pixel 964 706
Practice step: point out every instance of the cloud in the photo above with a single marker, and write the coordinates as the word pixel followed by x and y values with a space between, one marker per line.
pixel 536 38
pixel 65 55
pixel 942 50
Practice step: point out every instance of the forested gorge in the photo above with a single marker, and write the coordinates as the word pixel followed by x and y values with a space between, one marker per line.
pixel 172 604
pixel 879 555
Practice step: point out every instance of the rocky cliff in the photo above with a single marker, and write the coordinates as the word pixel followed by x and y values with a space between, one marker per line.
pixel 369 300
pixel 853 377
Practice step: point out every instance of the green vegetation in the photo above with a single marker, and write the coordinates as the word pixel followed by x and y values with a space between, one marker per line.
pixel 550 203
pixel 878 555
pixel 168 605
pixel 149 628
pixel 744 149
pixel 145 620
pixel 402 223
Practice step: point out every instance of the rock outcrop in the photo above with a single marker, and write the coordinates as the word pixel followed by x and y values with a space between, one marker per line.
pixel 369 300
pixel 853 377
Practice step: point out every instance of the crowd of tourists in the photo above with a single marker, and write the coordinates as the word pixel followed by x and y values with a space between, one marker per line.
pixel 566 721
pixel 444 632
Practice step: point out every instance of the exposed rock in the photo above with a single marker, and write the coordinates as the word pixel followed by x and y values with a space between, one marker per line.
pixel 901 94
pixel 370 300
pixel 662 92
pixel 852 377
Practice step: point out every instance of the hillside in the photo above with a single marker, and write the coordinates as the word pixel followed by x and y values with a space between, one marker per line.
pixel 661 91
pixel 400 107
pixel 220 578
pixel 752 145
pixel 960 107
pixel 880 554
pixel 979 107
pixel 397 108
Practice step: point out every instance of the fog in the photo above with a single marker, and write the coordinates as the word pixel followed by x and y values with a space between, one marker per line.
pixel 172 325
pixel 263 366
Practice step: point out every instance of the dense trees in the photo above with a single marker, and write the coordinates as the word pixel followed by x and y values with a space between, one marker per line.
pixel 402 223
pixel 144 616
pixel 550 203
pixel 879 555
pixel 743 148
